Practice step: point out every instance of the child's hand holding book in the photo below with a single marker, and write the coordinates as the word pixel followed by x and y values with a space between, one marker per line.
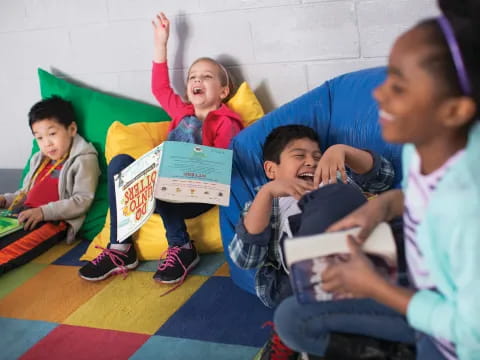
pixel 334 265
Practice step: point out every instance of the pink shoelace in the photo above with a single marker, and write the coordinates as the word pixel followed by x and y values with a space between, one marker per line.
pixel 115 256
pixel 172 257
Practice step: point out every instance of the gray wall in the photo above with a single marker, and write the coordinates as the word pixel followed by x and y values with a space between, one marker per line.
pixel 282 48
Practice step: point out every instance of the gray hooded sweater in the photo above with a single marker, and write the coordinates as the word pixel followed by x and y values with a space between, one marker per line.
pixel 77 183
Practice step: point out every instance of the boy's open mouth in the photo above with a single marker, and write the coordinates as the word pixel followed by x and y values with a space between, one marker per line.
pixel 307 176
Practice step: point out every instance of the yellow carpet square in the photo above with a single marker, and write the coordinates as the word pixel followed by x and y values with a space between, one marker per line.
pixel 223 270
pixel 134 304
pixel 51 295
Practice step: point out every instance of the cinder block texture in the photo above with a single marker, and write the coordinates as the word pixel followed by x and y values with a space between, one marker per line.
pixel 281 47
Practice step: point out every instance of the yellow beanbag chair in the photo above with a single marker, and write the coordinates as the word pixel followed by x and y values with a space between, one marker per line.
pixel 135 140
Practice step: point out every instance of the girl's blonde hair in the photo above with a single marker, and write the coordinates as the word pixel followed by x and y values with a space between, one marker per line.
pixel 223 74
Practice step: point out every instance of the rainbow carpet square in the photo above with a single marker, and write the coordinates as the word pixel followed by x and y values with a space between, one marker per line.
pixel 48 312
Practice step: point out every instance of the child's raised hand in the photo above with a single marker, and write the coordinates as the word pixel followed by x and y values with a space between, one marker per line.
pixel 30 218
pixel 291 187
pixel 3 201
pixel 161 31
pixel 356 277
pixel 332 160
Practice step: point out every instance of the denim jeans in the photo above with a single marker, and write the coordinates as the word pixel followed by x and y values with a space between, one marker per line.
pixel 306 327
pixel 173 214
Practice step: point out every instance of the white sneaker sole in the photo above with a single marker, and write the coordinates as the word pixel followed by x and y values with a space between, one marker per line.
pixel 114 271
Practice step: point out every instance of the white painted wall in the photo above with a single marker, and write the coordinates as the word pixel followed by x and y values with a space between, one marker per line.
pixel 281 47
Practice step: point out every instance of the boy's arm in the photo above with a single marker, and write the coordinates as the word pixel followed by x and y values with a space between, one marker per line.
pixel 378 178
pixel 86 173
pixel 248 250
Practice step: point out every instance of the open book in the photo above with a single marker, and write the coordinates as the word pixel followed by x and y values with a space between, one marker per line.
pixel 8 223
pixel 308 256
pixel 174 172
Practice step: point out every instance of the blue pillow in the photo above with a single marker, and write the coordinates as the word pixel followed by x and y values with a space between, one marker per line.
pixel 342 110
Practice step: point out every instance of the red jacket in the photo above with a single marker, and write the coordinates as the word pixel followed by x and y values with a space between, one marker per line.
pixel 219 127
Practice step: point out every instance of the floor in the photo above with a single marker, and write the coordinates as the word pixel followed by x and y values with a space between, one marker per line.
pixel 48 312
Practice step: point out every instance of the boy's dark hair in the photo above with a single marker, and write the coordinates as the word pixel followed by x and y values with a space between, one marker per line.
pixel 463 17
pixel 54 108
pixel 281 136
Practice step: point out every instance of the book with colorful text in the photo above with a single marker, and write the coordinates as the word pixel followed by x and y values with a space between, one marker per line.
pixel 308 256
pixel 8 223
pixel 174 172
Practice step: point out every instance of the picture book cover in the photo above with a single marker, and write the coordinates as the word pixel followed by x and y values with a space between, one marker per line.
pixel 174 172
pixel 308 256
pixel 8 223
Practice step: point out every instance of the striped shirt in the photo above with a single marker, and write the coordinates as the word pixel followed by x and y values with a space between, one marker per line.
pixel 417 196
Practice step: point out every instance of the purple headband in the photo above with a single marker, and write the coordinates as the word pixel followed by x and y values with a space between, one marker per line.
pixel 456 54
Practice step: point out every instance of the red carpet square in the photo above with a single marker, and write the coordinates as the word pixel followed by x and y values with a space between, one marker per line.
pixel 75 342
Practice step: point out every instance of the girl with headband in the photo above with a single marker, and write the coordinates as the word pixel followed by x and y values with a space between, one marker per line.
pixel 202 119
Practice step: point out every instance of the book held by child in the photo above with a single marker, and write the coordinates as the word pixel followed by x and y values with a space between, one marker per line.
pixel 174 172
pixel 308 256
pixel 8 223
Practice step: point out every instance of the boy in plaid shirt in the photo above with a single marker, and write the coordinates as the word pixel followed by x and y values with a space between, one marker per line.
pixel 294 164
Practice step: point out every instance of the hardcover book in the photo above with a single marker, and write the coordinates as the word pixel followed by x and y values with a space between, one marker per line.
pixel 308 256
pixel 8 223
pixel 174 172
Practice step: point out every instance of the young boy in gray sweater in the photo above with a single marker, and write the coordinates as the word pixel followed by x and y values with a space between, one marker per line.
pixel 58 189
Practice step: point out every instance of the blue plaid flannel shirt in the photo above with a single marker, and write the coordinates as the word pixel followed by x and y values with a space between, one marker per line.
pixel 262 251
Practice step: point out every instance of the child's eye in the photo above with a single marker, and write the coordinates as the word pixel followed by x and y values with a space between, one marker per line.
pixel 397 89
pixel 52 134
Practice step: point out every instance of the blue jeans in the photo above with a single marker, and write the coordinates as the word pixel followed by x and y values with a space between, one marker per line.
pixel 306 327
pixel 173 214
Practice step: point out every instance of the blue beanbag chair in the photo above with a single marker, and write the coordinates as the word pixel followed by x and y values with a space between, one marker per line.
pixel 342 111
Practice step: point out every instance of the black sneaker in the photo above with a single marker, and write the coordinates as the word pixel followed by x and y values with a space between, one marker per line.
pixel 109 262
pixel 175 267
pixel 275 349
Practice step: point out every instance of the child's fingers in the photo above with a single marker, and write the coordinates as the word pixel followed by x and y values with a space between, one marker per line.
pixel 332 175
pixel 354 245
pixel 317 177
pixel 343 173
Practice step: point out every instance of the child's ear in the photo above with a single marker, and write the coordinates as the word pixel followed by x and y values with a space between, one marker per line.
pixel 270 167
pixel 459 111
pixel 72 129
pixel 225 92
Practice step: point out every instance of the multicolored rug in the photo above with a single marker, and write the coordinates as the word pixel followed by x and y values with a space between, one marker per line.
pixel 48 312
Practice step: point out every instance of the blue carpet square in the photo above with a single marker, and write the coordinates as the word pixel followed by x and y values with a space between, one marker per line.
pixel 220 312
pixel 160 347
pixel 72 257
pixel 18 336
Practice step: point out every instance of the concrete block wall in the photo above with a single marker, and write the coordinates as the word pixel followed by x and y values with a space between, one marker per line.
pixel 282 48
